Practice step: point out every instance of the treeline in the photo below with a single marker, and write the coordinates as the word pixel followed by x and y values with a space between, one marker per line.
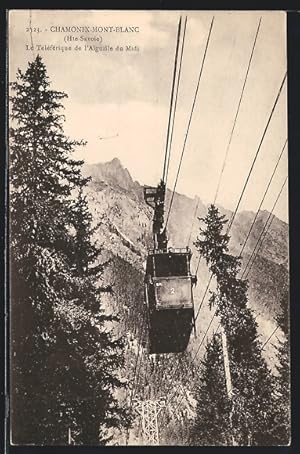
pixel 256 410
pixel 65 360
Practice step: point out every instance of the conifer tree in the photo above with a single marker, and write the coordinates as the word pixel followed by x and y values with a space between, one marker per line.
pixel 101 374
pixel 253 412
pixel 64 361
pixel 283 402
pixel 212 424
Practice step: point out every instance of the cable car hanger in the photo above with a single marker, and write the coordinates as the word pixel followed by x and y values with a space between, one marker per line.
pixel 168 279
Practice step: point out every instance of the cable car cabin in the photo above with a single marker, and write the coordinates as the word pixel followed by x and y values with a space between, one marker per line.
pixel 169 299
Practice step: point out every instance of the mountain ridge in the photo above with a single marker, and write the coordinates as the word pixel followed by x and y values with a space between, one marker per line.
pixel 114 173
pixel 117 203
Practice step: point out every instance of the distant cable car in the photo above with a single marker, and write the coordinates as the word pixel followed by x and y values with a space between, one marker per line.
pixel 168 285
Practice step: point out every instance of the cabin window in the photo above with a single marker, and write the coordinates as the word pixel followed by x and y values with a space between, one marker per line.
pixel 171 265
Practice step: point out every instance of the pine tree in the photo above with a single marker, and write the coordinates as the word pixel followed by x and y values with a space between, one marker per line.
pixel 212 424
pixel 104 379
pixel 252 402
pixel 283 402
pixel 64 360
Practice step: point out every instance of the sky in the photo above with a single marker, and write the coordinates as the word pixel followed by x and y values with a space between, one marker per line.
pixel 124 96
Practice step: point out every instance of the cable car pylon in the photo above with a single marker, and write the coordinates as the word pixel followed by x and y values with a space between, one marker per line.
pixel 149 410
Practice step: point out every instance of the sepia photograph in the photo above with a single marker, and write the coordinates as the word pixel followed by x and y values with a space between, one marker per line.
pixel 148 228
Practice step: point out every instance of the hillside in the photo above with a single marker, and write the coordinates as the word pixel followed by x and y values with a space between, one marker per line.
pixel 125 221
pixel 117 202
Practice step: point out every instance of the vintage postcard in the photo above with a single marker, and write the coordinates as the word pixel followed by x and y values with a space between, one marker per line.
pixel 148 213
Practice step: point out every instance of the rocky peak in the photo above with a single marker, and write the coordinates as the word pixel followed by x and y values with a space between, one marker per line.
pixel 112 173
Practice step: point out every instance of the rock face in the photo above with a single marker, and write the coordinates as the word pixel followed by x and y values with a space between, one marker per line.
pixel 112 173
pixel 125 230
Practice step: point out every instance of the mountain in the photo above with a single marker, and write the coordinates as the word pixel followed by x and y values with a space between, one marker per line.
pixel 117 203
pixel 125 232
pixel 112 173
